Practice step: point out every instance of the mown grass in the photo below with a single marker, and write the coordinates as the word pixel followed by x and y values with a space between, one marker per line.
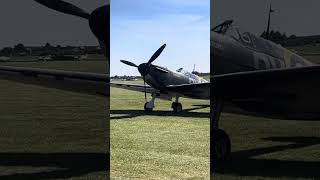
pixel 161 144
pixel 261 148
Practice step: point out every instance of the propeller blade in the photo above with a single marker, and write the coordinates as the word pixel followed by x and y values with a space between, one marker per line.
pixel 156 54
pixel 64 7
pixel 129 63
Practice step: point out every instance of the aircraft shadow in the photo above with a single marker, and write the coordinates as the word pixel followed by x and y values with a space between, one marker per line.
pixel 68 164
pixel 185 113
pixel 243 162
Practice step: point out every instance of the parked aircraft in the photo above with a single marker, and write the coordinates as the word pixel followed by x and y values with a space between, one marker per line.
pixel 160 81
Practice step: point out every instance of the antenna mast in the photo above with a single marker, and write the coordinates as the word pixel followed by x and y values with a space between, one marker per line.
pixel 269 19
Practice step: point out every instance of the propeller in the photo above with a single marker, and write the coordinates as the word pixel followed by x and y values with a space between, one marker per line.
pixel 144 68
pixel 156 54
pixel 98 20
pixel 65 7
pixel 129 63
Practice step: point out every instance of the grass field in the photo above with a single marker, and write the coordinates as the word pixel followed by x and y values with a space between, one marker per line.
pixel 161 144
pixel 141 146
pixel 49 133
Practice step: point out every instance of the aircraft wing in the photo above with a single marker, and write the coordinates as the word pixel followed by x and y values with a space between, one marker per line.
pixel 133 87
pixel 292 93
pixel 197 91
pixel 89 83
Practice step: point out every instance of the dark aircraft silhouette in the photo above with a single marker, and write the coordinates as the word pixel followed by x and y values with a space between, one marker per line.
pixel 255 76
pixel 161 81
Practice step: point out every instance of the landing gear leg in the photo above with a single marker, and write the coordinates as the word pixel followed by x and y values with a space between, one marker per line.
pixel 220 145
pixel 148 106
pixel 176 106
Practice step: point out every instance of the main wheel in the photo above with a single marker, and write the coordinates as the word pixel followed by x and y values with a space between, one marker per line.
pixel 146 109
pixel 177 107
pixel 221 146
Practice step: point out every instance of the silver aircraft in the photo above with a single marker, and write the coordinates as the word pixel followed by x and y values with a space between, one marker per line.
pixel 160 81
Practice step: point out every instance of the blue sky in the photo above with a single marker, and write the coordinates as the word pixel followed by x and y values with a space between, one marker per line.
pixel 140 27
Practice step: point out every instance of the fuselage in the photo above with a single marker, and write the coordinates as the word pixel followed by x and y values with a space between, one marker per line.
pixel 239 52
pixel 160 77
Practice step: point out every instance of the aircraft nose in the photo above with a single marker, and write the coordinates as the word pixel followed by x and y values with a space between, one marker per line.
pixel 143 69
pixel 99 24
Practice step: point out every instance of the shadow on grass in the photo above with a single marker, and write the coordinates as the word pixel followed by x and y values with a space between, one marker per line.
pixel 68 164
pixel 243 162
pixel 185 113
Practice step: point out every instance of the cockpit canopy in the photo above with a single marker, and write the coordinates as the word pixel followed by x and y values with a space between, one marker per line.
pixel 248 39
pixel 255 43
pixel 223 27
pixel 227 28
pixel 191 76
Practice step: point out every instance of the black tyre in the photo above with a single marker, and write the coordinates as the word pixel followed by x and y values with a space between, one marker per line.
pixel 177 107
pixel 146 109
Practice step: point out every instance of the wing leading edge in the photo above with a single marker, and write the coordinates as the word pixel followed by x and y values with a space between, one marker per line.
pixel 196 91
pixel 291 93
pixel 134 87
pixel 89 83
